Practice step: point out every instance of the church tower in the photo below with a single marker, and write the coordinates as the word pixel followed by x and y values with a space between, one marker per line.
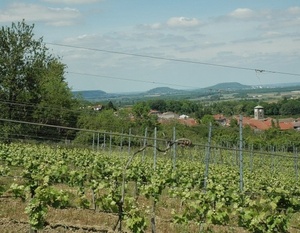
pixel 259 113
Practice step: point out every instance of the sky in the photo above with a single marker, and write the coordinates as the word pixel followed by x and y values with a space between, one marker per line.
pixel 136 45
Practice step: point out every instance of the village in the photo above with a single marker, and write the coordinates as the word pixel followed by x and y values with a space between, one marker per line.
pixel 259 122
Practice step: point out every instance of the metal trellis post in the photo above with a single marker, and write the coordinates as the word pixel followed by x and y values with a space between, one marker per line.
pixel 241 154
pixel 174 148
pixel 207 156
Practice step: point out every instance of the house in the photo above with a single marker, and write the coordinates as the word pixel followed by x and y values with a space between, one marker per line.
pixel 296 124
pixel 168 115
pixel 260 122
pixel 188 121
pixel 183 116
pixel 154 112
pixel 97 107
pixel 221 119
pixel 257 124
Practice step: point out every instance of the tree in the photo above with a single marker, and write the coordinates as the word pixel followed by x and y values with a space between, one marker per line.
pixel 20 63
pixel 159 105
pixel 105 120
pixel 207 119
pixel 142 117
pixel 32 86
pixel 234 123
pixel 110 105
pixel 290 107
pixel 141 110
pixel 56 103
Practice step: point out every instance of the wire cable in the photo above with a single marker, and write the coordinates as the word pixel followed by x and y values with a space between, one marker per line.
pixel 173 59
pixel 128 79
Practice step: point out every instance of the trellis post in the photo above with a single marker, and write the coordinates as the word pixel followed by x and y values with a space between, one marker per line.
pixel 207 156
pixel 241 154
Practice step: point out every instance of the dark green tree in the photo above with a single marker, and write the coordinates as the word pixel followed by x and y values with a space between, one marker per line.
pixel 290 107
pixel 234 123
pixel 110 105
pixel 159 105
pixel 207 119
pixel 32 85
pixel 142 117
pixel 105 120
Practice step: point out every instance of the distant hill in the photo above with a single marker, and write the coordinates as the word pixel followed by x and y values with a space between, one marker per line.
pixel 91 94
pixel 229 86
pixel 162 90
pixel 165 92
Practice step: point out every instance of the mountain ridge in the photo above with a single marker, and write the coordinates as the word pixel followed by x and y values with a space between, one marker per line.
pixel 229 86
pixel 167 91
pixel 162 90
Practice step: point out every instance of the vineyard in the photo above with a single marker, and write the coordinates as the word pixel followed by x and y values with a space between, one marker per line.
pixel 152 188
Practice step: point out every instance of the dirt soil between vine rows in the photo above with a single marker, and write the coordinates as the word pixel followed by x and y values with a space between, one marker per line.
pixel 13 219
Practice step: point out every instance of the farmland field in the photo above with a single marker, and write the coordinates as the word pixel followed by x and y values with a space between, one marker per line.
pixel 55 189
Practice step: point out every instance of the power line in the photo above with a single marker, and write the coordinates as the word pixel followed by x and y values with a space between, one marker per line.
pixel 129 79
pixel 174 60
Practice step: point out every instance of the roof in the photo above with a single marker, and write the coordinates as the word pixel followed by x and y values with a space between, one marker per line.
pixel 266 123
pixel 188 121
pixel 258 106
pixel 168 115
pixel 219 117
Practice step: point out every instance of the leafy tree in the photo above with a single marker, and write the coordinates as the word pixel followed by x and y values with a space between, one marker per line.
pixel 206 119
pixel 141 110
pixel 159 105
pixel 56 104
pixel 110 105
pixel 290 107
pixel 234 123
pixel 20 66
pixel 32 86
pixel 105 120
pixel 272 109
pixel 174 106
pixel 142 118
pixel 188 107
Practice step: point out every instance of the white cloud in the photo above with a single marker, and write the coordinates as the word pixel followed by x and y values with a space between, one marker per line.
pixel 271 34
pixel 36 13
pixel 294 10
pixel 154 26
pixel 283 20
pixel 72 1
pixel 242 13
pixel 183 22
pixel 174 22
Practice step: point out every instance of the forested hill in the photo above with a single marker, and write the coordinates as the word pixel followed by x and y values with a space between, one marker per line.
pixel 163 90
pixel 230 86
pixel 90 94
pixel 96 95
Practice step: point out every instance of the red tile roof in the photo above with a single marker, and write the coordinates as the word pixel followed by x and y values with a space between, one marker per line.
pixel 219 117
pixel 266 123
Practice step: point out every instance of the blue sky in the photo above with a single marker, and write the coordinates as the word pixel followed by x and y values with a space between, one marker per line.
pixel 214 40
